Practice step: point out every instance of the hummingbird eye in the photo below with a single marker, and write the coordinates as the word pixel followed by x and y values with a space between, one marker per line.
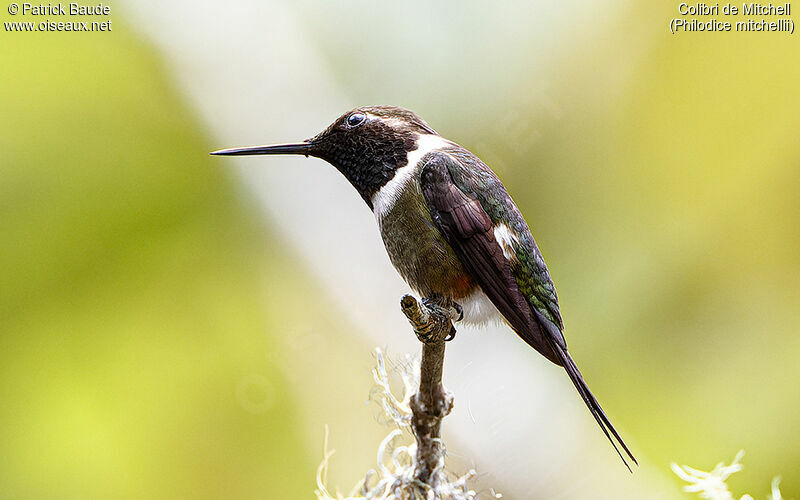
pixel 356 119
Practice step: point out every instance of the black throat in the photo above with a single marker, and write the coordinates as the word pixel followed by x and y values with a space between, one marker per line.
pixel 368 160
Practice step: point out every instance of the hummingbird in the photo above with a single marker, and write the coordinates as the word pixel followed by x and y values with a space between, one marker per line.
pixel 450 228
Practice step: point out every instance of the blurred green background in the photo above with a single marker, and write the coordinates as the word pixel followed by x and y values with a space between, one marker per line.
pixel 159 339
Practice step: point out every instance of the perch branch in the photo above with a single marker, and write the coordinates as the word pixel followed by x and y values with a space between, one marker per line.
pixel 432 323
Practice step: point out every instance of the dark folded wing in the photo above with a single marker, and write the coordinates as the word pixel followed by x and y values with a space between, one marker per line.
pixel 470 231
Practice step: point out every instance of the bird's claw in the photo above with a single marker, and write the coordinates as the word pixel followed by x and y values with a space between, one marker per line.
pixel 438 303
pixel 445 307
pixel 431 303
pixel 459 312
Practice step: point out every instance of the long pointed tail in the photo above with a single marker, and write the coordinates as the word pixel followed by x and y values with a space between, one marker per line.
pixel 592 404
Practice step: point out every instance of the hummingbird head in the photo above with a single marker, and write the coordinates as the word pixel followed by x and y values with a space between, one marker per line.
pixel 367 145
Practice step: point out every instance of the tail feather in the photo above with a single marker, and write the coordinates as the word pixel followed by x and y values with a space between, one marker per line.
pixel 593 404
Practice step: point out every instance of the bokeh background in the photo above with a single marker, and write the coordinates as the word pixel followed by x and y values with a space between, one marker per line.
pixel 174 325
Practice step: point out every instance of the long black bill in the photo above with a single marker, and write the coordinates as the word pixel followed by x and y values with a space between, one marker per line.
pixel 298 148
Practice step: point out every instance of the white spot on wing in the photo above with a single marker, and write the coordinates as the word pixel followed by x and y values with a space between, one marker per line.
pixel 507 239
pixel 385 198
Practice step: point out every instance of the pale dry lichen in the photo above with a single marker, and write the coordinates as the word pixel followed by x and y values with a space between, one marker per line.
pixel 393 479
pixel 712 486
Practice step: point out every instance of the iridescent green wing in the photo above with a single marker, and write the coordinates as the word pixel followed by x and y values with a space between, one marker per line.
pixel 486 230
pixel 476 180
pixel 473 234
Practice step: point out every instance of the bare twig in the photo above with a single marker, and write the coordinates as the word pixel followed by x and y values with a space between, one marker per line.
pixel 432 323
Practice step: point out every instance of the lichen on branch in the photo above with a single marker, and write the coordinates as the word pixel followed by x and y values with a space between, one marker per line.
pixel 415 471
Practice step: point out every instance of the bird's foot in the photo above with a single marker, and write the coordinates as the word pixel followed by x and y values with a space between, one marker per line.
pixel 430 321
pixel 447 307
pixel 444 308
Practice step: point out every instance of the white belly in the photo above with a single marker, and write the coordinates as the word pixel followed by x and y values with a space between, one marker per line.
pixel 479 310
